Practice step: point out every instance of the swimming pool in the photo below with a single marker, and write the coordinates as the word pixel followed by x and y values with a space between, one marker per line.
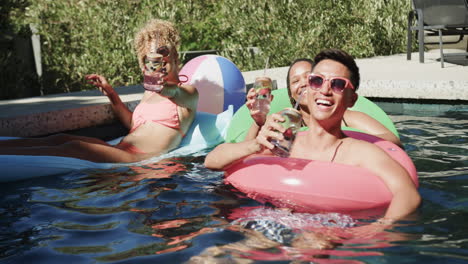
pixel 176 209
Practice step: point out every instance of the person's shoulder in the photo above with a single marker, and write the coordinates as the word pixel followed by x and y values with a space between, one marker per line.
pixel 364 152
pixel 354 142
pixel 361 145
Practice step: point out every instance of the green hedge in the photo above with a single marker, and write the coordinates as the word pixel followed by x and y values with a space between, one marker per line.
pixel 86 36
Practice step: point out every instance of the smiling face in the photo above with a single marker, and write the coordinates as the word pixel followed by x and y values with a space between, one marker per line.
pixel 298 81
pixel 324 104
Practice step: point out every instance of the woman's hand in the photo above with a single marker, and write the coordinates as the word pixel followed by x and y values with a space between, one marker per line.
pixel 256 114
pixel 119 108
pixel 101 83
pixel 271 130
pixel 170 86
pixel 160 82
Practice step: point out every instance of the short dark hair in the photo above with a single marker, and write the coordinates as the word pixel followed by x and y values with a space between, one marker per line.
pixel 293 102
pixel 343 58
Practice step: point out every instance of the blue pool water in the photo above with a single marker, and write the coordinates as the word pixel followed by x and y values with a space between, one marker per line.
pixel 177 211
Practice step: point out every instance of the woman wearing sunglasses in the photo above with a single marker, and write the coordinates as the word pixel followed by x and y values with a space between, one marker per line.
pixel 298 79
pixel 158 123
pixel 331 91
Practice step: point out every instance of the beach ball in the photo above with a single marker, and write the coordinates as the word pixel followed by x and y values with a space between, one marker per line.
pixel 219 83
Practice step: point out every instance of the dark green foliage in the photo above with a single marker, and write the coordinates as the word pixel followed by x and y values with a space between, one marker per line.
pixel 96 36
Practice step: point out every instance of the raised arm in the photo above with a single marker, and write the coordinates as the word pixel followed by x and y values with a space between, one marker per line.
pixel 184 95
pixel 366 123
pixel 120 109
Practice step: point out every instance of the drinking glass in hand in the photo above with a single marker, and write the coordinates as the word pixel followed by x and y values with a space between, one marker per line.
pixel 154 72
pixel 263 86
pixel 292 124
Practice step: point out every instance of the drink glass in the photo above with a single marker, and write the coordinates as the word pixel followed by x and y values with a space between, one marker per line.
pixel 292 124
pixel 263 86
pixel 153 72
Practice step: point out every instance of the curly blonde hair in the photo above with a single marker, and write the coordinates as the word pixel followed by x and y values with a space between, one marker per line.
pixel 164 32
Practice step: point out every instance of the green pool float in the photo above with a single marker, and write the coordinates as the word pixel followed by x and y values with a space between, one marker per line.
pixel 242 121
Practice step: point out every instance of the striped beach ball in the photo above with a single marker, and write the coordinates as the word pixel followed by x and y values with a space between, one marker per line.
pixel 219 83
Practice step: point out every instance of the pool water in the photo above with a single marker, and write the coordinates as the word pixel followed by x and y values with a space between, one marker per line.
pixel 177 211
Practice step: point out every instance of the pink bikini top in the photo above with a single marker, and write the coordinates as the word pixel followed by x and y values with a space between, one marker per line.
pixel 163 112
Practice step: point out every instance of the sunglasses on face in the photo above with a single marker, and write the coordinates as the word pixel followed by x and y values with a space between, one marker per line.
pixel 337 84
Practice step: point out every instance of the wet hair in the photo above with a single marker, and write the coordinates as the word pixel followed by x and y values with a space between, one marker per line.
pixel 293 102
pixel 343 58
pixel 155 30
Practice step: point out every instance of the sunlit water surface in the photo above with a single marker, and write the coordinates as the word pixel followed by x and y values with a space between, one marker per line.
pixel 177 211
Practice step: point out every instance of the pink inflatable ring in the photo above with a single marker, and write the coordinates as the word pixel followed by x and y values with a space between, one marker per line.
pixel 308 185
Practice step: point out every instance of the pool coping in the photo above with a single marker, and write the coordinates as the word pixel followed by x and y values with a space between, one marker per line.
pixel 390 78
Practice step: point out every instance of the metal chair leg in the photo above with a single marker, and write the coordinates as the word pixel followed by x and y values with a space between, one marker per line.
pixel 441 49
pixel 466 46
pixel 421 35
pixel 409 42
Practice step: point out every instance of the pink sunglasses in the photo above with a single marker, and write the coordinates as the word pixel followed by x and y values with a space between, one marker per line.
pixel 337 84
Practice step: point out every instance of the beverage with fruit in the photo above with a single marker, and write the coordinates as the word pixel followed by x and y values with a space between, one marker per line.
pixel 292 123
pixel 154 72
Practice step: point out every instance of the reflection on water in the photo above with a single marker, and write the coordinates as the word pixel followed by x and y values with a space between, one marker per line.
pixel 176 211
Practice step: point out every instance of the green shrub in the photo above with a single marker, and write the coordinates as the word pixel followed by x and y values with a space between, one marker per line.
pixel 95 36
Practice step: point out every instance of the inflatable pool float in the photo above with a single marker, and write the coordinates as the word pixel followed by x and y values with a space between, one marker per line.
pixel 212 75
pixel 242 121
pixel 308 185
pixel 219 83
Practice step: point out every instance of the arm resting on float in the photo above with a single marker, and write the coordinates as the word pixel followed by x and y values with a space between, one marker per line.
pixel 366 123
pixel 226 153
pixel 406 198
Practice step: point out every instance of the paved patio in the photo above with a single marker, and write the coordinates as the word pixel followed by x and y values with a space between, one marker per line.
pixel 395 77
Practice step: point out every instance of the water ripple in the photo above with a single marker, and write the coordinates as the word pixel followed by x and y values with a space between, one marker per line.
pixel 175 210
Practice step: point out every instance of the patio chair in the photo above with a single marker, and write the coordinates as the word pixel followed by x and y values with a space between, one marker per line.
pixel 437 18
